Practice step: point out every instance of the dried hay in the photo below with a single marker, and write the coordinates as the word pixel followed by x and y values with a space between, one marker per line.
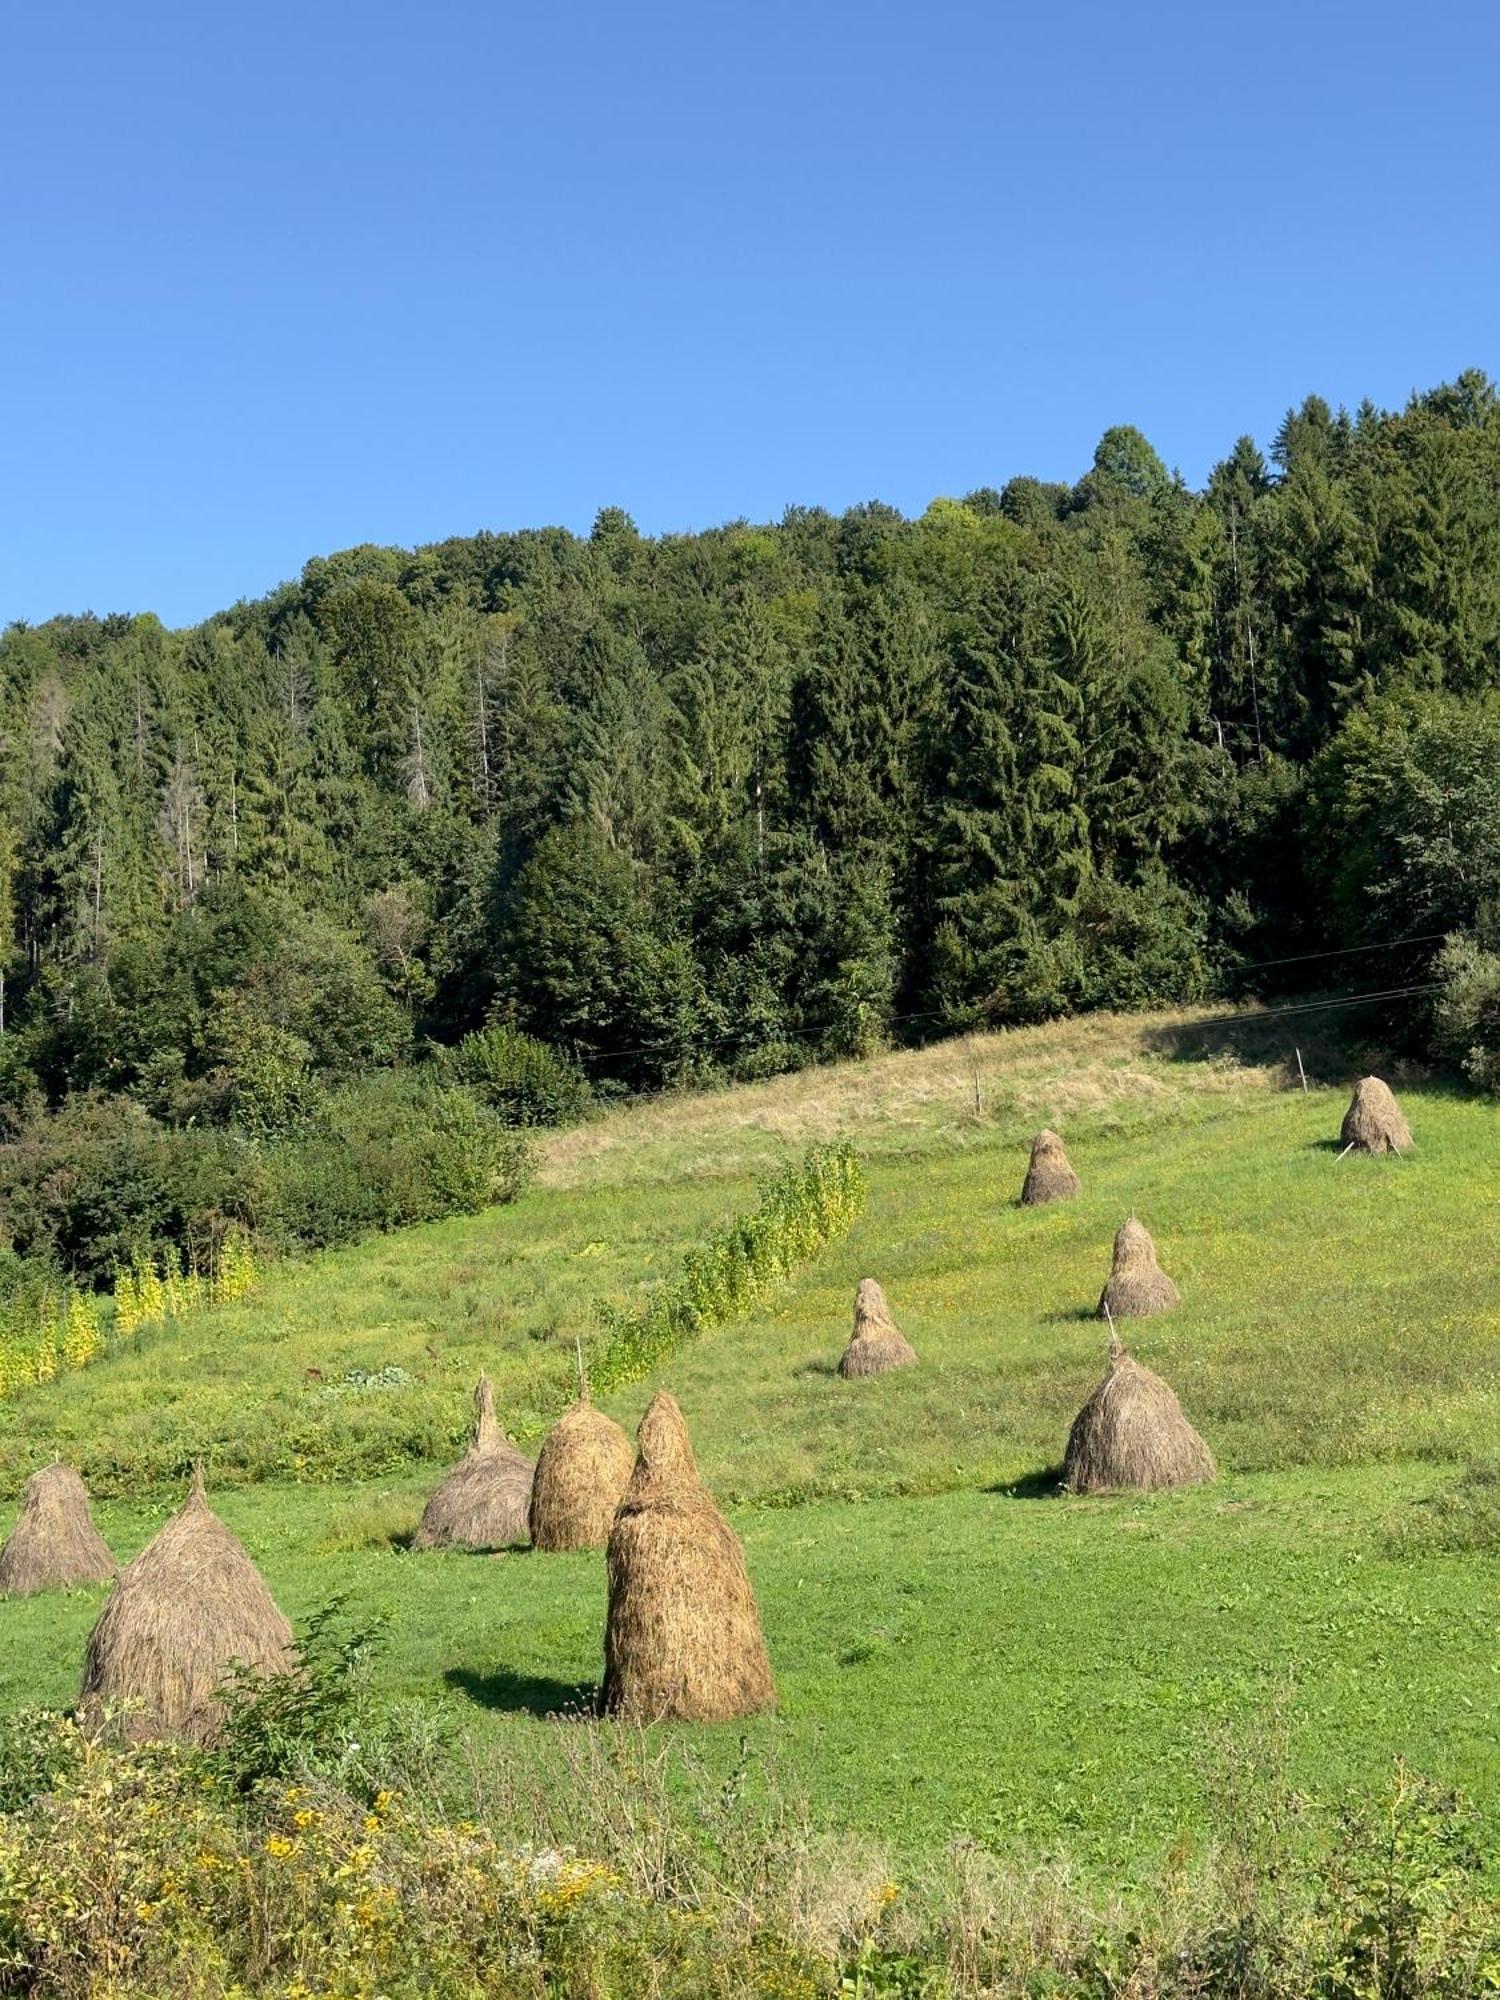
pixel 582 1469
pixel 1373 1123
pixel 191 1605
pixel 683 1638
pixel 1050 1176
pixel 877 1343
pixel 1131 1434
pixel 1137 1285
pixel 54 1543
pixel 485 1501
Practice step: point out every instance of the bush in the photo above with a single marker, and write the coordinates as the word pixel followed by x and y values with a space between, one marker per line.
pixel 395 1150
pixel 521 1078
pixel 806 1206
pixel 1466 1013
pixel 98 1183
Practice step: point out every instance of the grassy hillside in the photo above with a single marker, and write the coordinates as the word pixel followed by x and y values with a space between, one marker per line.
pixel 958 1648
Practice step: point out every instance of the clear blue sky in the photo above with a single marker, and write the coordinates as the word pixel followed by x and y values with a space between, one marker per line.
pixel 278 278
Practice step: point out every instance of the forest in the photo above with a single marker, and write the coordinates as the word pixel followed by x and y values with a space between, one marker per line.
pixel 305 910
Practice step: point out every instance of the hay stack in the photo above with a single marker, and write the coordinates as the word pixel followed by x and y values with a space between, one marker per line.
pixel 1131 1434
pixel 1050 1176
pixel 190 1605
pixel 581 1471
pixel 1137 1284
pixel 1373 1122
pixel 877 1343
pixel 54 1544
pixel 683 1638
pixel 485 1501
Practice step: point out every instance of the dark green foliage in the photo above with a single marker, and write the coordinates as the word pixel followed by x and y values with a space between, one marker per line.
pixel 522 1079
pixel 300 1722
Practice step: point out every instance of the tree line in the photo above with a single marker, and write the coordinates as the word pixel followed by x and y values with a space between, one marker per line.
pixel 713 805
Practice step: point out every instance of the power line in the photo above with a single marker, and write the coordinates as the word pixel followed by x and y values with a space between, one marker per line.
pixel 1343 951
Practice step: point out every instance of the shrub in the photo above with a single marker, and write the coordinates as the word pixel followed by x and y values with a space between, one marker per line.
pixel 1466 1012
pixel 394 1150
pixel 521 1078
pixel 94 1184
pixel 804 1207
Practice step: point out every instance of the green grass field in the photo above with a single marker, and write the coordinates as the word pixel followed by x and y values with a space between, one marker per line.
pixel 958 1648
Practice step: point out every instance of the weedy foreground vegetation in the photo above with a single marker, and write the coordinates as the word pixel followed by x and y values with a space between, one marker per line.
pixel 1229 1739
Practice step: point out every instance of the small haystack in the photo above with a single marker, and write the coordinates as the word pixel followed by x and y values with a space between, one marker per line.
pixel 191 1605
pixel 582 1469
pixel 683 1638
pixel 54 1544
pixel 1137 1284
pixel 1050 1176
pixel 1131 1434
pixel 877 1343
pixel 485 1501
pixel 1373 1122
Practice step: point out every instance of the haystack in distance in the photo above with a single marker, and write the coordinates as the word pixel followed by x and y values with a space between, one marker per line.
pixel 1050 1176
pixel 1373 1123
pixel 683 1637
pixel 877 1343
pixel 190 1606
pixel 485 1501
pixel 1137 1285
pixel 54 1544
pixel 582 1469
pixel 1131 1435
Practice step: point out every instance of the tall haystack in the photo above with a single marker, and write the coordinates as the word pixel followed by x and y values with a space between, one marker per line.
pixel 581 1471
pixel 54 1544
pixel 1137 1284
pixel 1373 1122
pixel 485 1501
pixel 683 1639
pixel 1050 1176
pixel 877 1343
pixel 1131 1434
pixel 190 1606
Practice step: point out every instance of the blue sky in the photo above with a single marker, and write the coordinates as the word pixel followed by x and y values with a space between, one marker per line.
pixel 281 278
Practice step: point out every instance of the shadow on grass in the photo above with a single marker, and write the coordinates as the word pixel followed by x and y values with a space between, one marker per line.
pixel 817 1368
pixel 508 1693
pixel 1043 1484
pixel 1072 1316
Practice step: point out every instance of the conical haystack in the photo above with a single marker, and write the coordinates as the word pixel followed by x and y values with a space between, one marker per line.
pixel 1373 1122
pixel 54 1544
pixel 683 1638
pixel 485 1501
pixel 581 1471
pixel 1050 1176
pixel 1131 1433
pixel 191 1605
pixel 1137 1284
pixel 877 1343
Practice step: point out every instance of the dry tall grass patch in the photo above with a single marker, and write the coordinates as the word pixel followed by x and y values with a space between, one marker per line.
pixel 1047 1074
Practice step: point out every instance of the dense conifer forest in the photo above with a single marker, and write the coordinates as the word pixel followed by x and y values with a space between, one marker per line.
pixel 325 870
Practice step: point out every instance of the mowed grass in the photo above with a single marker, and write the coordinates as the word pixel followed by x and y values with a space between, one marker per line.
pixel 959 1650
pixel 1046 1676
